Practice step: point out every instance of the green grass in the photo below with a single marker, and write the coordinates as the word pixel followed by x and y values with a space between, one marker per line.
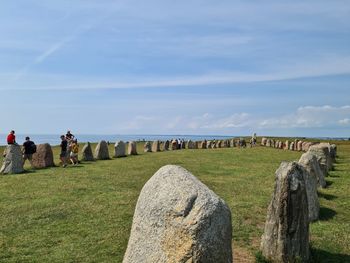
pixel 84 213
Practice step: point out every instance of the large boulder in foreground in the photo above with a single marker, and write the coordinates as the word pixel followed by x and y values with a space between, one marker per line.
pixel 286 235
pixel 313 172
pixel 43 157
pixel 87 154
pixel 101 151
pixel 179 219
pixel 119 149
pixel 13 161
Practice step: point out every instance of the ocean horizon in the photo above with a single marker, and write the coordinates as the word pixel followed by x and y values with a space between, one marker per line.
pixel 54 139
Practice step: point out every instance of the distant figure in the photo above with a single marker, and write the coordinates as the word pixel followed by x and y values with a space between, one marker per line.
pixel 69 136
pixel 74 146
pixel 29 148
pixel 64 148
pixel 253 140
pixel 11 138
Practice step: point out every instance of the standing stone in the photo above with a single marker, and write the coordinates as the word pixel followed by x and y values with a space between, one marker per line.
pixel 299 146
pixel 174 145
pixel 214 145
pixel 101 151
pixel 311 177
pixel 203 144
pixel 263 141
pixel 286 235
pixel 196 144
pixel 190 144
pixel 13 161
pixel 147 148
pixel 291 146
pixel 321 151
pixel 219 144
pixel 333 152
pixel 156 146
pixel 209 144
pixel 119 149
pixel 132 148
pixel 179 219
pixel 87 155
pixel 268 143
pixel 232 143
pixel 43 157
pixel 166 145
pixel 286 146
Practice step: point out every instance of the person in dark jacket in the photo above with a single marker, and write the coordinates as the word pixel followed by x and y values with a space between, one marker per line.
pixel 29 148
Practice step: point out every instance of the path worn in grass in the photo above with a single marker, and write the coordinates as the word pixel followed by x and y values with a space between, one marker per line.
pixel 84 213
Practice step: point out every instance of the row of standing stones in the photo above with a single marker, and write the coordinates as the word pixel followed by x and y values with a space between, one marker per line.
pixel 179 219
pixel 13 161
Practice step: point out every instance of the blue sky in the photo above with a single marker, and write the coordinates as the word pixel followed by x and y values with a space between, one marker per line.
pixel 175 67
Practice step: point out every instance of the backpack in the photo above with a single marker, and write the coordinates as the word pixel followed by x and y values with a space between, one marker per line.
pixel 33 148
pixel 75 148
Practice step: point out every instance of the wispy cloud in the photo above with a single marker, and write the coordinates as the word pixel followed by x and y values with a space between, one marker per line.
pixel 324 67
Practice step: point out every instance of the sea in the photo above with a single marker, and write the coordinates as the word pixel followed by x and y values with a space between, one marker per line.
pixel 54 139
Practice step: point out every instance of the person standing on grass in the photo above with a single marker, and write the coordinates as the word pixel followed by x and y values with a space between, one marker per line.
pixel 74 146
pixel 64 148
pixel 29 148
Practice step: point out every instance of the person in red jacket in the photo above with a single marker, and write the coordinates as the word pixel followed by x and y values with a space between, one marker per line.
pixel 11 138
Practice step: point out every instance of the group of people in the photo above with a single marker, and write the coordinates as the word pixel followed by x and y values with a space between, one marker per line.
pixel 28 149
pixel 69 149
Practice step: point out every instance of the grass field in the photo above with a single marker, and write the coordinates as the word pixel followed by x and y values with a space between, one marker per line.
pixel 84 213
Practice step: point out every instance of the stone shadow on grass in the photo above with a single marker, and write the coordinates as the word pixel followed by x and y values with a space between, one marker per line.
pixel 319 255
pixel 326 196
pixel 328 183
pixel 326 213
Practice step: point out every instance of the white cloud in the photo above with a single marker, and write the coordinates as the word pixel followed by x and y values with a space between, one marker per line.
pixel 344 122
pixel 310 117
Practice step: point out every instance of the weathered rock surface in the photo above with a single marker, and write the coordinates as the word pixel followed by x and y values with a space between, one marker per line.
pixel 147 148
pixel 101 151
pixel 203 144
pixel 291 146
pixel 132 148
pixel 286 235
pixel 87 154
pixel 286 145
pixel 333 151
pixel 263 141
pixel 178 219
pixel 13 161
pixel 190 144
pixel 119 149
pixel 299 146
pixel 166 145
pixel 311 177
pixel 174 145
pixel 321 151
pixel 156 146
pixel 43 156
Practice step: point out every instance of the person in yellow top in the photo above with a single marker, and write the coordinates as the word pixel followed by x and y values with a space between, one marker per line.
pixel 74 146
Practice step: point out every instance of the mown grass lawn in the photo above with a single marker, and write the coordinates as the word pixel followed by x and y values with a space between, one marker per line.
pixel 84 213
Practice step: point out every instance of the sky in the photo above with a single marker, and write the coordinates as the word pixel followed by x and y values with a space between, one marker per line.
pixel 277 68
